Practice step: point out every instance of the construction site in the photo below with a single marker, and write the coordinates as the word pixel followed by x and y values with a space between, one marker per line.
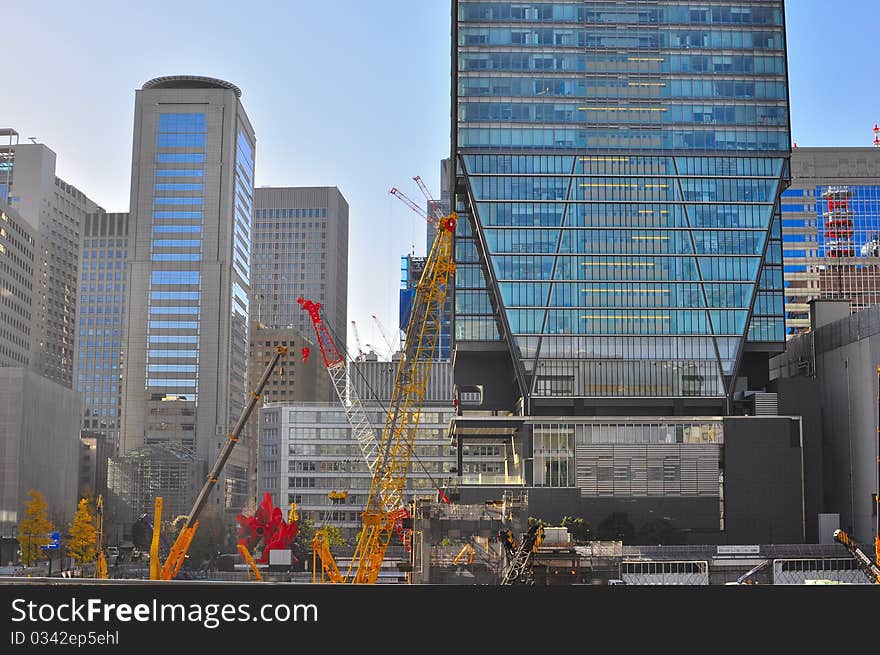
pixel 407 535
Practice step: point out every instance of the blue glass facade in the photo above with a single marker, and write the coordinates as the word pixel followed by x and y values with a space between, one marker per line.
pixel 832 244
pixel 619 190
pixel 102 310
pixel 175 282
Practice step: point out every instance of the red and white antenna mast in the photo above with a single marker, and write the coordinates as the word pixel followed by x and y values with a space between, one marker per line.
pixel 876 135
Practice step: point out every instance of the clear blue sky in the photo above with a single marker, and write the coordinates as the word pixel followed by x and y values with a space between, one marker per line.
pixel 343 93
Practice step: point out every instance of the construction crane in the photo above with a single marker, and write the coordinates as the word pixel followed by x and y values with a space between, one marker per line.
pixel 391 347
pixel 519 557
pixel 361 428
pixel 434 209
pixel 431 218
pixel 396 445
pixel 100 559
pixel 181 545
pixel 361 356
pixel 871 570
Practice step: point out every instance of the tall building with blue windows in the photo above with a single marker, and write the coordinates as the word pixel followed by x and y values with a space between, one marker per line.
pixel 186 355
pixel 618 168
pixel 831 231
pixel 101 314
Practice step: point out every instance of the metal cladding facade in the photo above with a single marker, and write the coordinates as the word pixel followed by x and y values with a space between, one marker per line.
pixel 618 174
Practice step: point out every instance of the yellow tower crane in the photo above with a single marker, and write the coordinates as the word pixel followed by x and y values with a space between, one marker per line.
pixel 388 482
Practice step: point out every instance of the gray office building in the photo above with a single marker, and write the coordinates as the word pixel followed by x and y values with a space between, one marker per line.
pixel 56 210
pixel 830 376
pixel 18 251
pixel 300 248
pixel 186 341
pixel 101 321
pixel 39 446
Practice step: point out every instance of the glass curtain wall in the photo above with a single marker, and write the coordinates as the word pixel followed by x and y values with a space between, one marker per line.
pixel 622 185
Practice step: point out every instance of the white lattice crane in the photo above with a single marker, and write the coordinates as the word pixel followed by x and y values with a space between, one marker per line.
pixel 361 356
pixel 391 347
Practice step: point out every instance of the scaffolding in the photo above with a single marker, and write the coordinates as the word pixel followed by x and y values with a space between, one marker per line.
pixel 136 478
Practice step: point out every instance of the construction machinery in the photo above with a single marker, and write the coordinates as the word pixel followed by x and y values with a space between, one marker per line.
pixel 869 568
pixel 361 427
pixel 361 356
pixel 181 545
pixel 391 347
pixel 746 578
pixel 100 559
pixel 518 569
pixel 395 448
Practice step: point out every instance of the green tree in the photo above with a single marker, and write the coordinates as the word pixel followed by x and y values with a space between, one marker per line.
pixel 334 536
pixel 302 543
pixel 82 534
pixel 578 528
pixel 34 528
pixel 212 538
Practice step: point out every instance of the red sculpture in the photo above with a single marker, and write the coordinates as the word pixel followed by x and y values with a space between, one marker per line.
pixel 266 525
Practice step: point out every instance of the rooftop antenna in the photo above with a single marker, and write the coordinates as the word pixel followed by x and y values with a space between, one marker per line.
pixel 33 139
pixel 876 135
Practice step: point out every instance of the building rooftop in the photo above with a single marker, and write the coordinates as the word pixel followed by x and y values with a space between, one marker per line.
pixel 190 82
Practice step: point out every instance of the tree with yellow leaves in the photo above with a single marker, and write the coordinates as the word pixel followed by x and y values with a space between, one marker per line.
pixel 34 528
pixel 82 534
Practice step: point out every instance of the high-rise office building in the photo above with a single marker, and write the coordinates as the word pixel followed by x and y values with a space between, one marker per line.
pixel 300 248
pixel 618 168
pixel 18 252
pixel 831 231
pixel 56 210
pixel 103 294
pixel 186 369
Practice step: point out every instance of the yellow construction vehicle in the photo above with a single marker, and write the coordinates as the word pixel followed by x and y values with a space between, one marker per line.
pixel 181 545
pixel 871 570
pixel 388 483
pixel 100 559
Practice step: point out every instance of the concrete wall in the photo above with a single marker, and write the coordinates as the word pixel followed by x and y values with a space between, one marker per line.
pixel 763 480
pixel 841 358
pixel 39 445
pixel 848 378
pixel 800 397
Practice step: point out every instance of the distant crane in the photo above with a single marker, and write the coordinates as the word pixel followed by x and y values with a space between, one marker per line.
pixel 361 356
pixel 435 210
pixel 391 347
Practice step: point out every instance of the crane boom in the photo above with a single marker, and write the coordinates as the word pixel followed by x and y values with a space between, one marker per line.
pixel 434 206
pixel 396 447
pixel 412 205
pixel 361 428
pixel 871 570
pixel 361 356
pixel 187 532
pixel 385 337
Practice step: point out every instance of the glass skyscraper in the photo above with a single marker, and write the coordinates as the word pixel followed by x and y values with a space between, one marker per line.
pixel 186 355
pixel 618 168
pixel 831 231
